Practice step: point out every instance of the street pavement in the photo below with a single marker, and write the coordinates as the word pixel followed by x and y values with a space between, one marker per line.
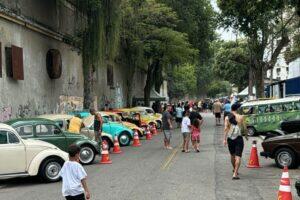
pixel 151 172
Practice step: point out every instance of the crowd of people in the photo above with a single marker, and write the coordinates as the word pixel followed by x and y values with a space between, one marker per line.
pixel 189 120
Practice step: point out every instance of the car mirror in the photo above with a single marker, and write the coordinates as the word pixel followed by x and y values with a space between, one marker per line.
pixel 57 132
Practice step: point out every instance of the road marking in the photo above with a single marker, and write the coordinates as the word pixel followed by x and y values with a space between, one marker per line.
pixel 170 158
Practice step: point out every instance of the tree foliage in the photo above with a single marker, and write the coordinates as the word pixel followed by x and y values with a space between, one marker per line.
pixel 232 62
pixel 219 88
pixel 262 22
pixel 184 81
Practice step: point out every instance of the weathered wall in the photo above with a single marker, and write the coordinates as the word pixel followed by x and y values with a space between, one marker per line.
pixel 37 93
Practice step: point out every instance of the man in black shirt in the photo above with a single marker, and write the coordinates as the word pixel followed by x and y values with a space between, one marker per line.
pixel 196 115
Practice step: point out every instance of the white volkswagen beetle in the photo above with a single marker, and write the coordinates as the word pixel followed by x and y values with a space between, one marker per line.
pixel 28 157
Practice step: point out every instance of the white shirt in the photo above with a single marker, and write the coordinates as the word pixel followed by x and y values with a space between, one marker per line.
pixel 186 122
pixel 72 173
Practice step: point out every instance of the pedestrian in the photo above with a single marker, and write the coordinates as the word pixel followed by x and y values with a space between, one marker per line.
pixel 217 109
pixel 196 115
pixel 234 131
pixel 195 135
pixel 167 126
pixel 74 184
pixel 179 115
pixel 98 122
pixel 227 108
pixel 185 130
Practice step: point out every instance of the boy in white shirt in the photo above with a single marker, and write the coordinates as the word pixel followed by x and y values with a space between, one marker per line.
pixel 74 177
pixel 185 130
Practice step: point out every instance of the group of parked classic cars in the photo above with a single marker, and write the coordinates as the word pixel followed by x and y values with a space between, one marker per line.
pixel 279 121
pixel 37 146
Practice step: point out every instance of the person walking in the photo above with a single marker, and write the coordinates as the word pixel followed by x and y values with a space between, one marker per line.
pixel 226 108
pixel 185 130
pixel 217 109
pixel 98 122
pixel 74 185
pixel 196 115
pixel 167 126
pixel 195 135
pixel 179 115
pixel 234 131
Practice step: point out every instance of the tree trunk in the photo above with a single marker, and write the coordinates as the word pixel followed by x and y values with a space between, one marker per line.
pixel 129 82
pixel 150 82
pixel 259 82
pixel 88 87
pixel 250 86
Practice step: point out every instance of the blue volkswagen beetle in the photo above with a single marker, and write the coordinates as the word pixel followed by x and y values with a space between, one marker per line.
pixel 124 134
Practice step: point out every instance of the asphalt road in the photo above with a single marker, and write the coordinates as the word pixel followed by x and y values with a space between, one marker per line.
pixel 151 172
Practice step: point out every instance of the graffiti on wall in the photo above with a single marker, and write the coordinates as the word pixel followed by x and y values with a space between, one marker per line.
pixel 70 103
pixel 5 113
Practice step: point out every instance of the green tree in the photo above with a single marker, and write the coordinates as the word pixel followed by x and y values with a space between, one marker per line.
pixel 197 19
pixel 262 23
pixel 184 81
pixel 99 38
pixel 219 89
pixel 232 62
pixel 151 30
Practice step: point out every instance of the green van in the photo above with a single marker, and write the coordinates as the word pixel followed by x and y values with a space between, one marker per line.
pixel 265 116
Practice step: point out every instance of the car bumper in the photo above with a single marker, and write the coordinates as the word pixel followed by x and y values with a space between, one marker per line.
pixel 265 154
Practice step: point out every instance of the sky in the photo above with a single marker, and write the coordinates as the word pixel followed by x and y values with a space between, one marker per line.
pixel 224 34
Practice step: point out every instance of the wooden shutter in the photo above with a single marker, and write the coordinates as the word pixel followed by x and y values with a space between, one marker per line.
pixel 54 63
pixel 17 63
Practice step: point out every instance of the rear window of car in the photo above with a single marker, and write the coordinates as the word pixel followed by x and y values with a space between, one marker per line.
pixel 25 130
pixel 3 137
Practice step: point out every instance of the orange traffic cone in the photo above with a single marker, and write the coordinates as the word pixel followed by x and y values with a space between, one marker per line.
pixel 148 134
pixel 136 140
pixel 253 162
pixel 105 154
pixel 154 130
pixel 116 149
pixel 284 192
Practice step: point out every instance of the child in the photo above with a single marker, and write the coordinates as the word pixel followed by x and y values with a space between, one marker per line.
pixel 74 177
pixel 185 130
pixel 196 134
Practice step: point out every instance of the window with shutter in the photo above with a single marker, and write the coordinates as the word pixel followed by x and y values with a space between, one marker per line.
pixel 14 62
pixel 110 75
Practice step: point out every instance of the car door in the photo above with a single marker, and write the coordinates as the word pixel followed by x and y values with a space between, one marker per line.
pixel 106 126
pixel 51 133
pixel 12 153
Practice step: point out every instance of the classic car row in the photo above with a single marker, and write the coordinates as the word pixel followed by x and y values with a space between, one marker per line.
pixel 37 146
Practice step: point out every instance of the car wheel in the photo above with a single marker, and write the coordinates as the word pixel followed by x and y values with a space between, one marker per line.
pixel 285 157
pixel 50 168
pixel 124 139
pixel 108 141
pixel 86 155
pixel 251 131
pixel 158 126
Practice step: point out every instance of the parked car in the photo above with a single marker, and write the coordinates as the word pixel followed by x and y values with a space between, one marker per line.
pixel 285 149
pixel 266 115
pixel 48 131
pixel 148 113
pixel 291 126
pixel 64 122
pixel 124 134
pixel 114 117
pixel 20 158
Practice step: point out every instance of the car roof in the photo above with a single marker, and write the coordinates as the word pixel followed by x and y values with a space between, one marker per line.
pixel 56 116
pixel 21 121
pixel 5 126
pixel 273 101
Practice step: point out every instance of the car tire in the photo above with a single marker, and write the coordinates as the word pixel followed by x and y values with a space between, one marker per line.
pixel 286 155
pixel 158 126
pixel 124 138
pixel 87 154
pixel 108 141
pixel 251 131
pixel 50 168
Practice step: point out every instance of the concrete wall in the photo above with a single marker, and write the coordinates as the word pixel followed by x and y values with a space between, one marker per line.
pixel 37 93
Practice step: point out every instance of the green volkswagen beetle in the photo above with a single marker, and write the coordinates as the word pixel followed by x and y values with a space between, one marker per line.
pixel 48 131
